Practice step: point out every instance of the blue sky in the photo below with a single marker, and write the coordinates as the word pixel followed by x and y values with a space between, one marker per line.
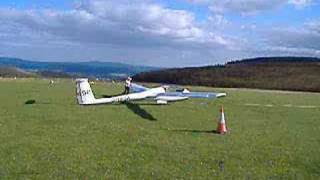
pixel 158 32
pixel 27 4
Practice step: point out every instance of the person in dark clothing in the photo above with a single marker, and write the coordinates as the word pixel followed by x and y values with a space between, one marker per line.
pixel 127 85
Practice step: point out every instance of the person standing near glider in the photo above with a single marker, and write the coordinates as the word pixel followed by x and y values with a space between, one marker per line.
pixel 127 85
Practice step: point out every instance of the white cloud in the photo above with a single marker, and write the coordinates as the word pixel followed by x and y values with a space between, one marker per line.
pixel 142 31
pixel 131 29
pixel 248 7
pixel 116 23
pixel 314 26
pixel 218 21
pixel 292 51
pixel 297 41
pixel 300 3
pixel 294 38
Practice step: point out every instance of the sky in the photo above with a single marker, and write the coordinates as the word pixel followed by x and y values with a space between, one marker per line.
pixel 166 33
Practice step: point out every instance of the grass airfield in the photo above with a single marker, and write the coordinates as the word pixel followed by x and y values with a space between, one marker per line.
pixel 273 135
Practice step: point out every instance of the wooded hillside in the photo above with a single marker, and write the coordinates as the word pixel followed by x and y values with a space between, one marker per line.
pixel 283 73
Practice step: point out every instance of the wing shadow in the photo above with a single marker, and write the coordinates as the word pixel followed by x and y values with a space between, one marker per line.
pixel 30 101
pixel 151 104
pixel 33 101
pixel 109 96
pixel 135 108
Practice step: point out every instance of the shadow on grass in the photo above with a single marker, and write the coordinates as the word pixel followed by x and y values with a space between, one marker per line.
pixel 30 101
pixel 151 104
pixel 135 108
pixel 194 131
pixel 113 95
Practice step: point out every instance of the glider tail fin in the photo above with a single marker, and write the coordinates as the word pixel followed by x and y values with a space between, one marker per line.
pixel 84 92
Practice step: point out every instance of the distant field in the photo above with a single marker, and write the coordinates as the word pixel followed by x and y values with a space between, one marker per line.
pixel 272 135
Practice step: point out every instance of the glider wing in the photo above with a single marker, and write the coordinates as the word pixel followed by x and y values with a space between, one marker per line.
pixel 136 88
pixel 195 94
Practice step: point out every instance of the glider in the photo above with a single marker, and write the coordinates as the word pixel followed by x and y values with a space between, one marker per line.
pixel 160 94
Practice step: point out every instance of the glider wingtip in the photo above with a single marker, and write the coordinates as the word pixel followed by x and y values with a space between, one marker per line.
pixel 221 95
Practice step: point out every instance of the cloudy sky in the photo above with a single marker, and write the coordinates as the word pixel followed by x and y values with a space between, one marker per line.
pixel 158 32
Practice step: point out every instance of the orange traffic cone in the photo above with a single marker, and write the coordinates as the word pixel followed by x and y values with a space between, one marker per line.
pixel 222 127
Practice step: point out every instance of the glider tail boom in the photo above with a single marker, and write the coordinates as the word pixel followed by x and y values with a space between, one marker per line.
pixel 84 92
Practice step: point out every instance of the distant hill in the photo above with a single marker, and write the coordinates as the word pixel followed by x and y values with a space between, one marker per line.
pixel 88 69
pixel 14 72
pixel 282 73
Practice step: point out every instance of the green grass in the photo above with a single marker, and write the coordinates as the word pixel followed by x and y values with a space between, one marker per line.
pixel 55 138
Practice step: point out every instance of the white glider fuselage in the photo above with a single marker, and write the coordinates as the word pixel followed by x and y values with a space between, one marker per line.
pixel 153 92
pixel 85 95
